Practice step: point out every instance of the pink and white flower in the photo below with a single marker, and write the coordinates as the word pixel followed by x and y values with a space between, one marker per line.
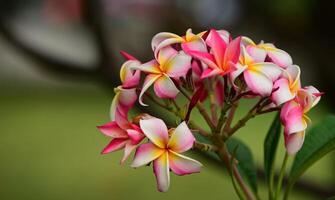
pixel 125 95
pixel 287 86
pixel 277 56
pixel 258 75
pixel 164 150
pixel 189 41
pixel 168 64
pixel 294 118
pixel 124 135
pixel 223 55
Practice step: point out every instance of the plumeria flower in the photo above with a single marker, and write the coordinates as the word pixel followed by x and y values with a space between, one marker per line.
pixel 287 86
pixel 168 64
pixel 223 55
pixel 278 56
pixel 164 151
pixel 258 75
pixel 189 41
pixel 294 118
pixel 125 95
pixel 124 135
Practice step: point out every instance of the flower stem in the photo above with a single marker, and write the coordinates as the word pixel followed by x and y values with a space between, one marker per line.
pixel 281 176
pixel 201 109
pixel 224 155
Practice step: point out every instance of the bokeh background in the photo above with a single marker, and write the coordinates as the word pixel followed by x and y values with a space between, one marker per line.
pixel 59 63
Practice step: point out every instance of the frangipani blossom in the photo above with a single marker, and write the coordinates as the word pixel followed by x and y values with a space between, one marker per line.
pixel 125 95
pixel 168 64
pixel 287 86
pixel 277 56
pixel 164 150
pixel 294 118
pixel 258 75
pixel 223 55
pixel 124 135
pixel 189 41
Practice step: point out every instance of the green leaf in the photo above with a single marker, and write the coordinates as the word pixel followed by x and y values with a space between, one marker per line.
pixel 319 141
pixel 270 147
pixel 246 165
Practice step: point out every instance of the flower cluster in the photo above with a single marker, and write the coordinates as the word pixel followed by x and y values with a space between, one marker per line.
pixel 208 66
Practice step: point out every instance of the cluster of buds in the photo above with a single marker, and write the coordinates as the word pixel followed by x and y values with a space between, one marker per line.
pixel 208 66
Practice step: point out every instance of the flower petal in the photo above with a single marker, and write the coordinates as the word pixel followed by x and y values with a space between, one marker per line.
pixel 210 72
pixel 149 80
pixel 165 54
pixel 271 70
pixel 258 82
pixel 181 139
pixel 146 153
pixel 156 130
pixel 165 88
pixel 162 172
pixel 178 65
pixel 111 129
pixel 127 151
pixel 283 93
pixel 294 121
pixel 128 76
pixel 225 35
pixel 151 67
pixel 127 97
pixel 316 94
pixel 114 145
pixel 207 58
pixel 258 54
pixel 182 165
pixel 164 39
pixel 232 53
pixel 279 57
pixel 236 73
pixel 135 136
pixel 196 44
pixel 294 142
pixel 218 46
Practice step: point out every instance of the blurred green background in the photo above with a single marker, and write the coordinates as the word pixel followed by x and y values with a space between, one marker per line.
pixel 58 66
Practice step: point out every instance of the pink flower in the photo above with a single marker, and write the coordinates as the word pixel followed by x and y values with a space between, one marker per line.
pixel 287 86
pixel 125 95
pixel 261 50
pixel 124 135
pixel 258 75
pixel 164 150
pixel 189 41
pixel 168 64
pixel 223 55
pixel 294 118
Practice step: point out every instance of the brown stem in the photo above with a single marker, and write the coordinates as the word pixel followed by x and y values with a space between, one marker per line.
pixel 230 117
pixel 204 147
pixel 224 155
pixel 201 109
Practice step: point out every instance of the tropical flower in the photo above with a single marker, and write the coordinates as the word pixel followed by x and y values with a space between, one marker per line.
pixel 168 64
pixel 223 55
pixel 294 118
pixel 164 150
pixel 124 135
pixel 189 41
pixel 258 75
pixel 287 86
pixel 125 95
pixel 277 56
